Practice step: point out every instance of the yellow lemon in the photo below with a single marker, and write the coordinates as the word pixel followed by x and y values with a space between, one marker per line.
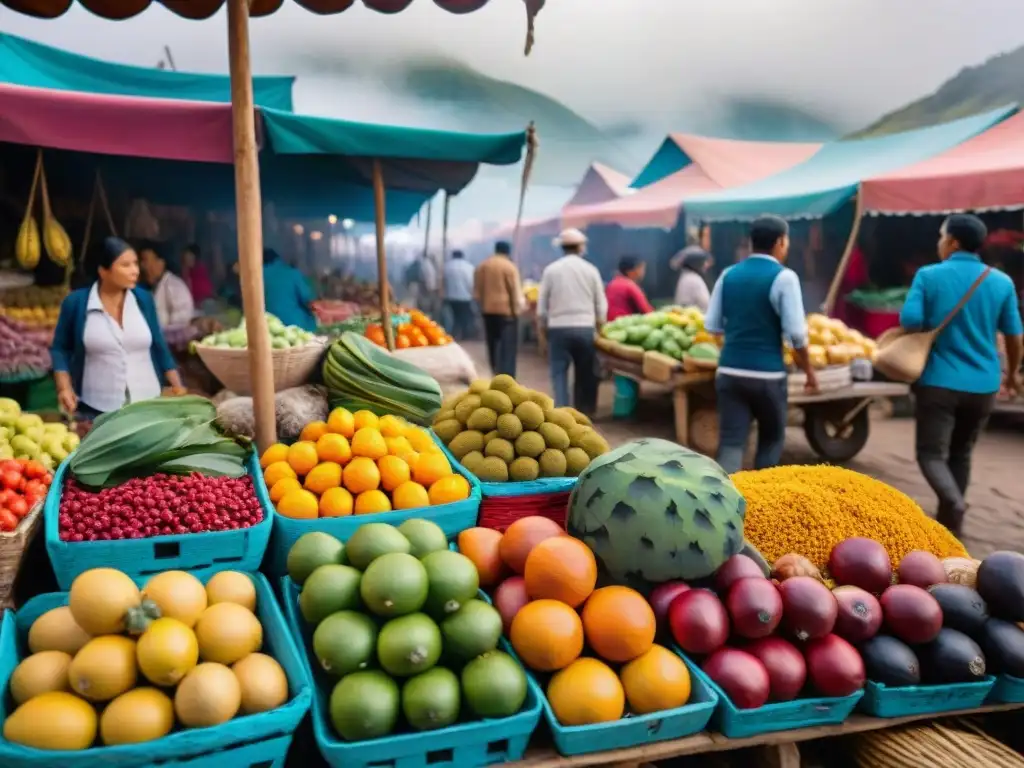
pixel 282 486
pixel 431 467
pixel 449 489
pixel 410 495
pixel 277 471
pixel 336 502
pixel 323 476
pixel 393 472
pixel 341 422
pixel 363 419
pixel 420 440
pixel 369 442
pixel 361 474
pixel 372 502
pixel 334 447
pixel 391 426
pixel 300 504
pixel 313 431
pixel 302 456
pixel 275 453
pixel 397 445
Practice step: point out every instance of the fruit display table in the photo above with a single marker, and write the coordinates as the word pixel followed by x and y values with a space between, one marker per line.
pixel 835 422
pixel 783 743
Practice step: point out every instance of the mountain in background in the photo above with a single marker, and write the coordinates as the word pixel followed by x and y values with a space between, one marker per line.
pixel 753 119
pixel 996 83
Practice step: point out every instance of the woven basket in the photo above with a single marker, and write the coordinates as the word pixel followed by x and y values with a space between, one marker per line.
pixel 830 379
pixel 12 548
pixel 961 744
pixel 292 366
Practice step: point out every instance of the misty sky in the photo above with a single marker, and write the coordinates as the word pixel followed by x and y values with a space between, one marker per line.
pixel 848 60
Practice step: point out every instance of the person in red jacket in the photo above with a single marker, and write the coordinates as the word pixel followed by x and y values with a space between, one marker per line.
pixel 625 296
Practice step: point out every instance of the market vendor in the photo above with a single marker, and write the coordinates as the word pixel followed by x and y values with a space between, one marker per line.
pixel 108 348
pixel 957 390
pixel 756 304
pixel 175 307
pixel 288 295
pixel 624 294
pixel 195 274
pixel 693 263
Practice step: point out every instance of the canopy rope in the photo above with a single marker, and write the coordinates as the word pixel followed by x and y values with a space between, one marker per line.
pixel 531 155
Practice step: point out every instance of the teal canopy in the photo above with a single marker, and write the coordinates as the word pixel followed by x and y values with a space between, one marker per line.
pixel 822 184
pixel 670 158
pixel 24 62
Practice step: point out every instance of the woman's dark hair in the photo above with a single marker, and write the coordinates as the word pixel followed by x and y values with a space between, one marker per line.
pixel 193 248
pixel 765 232
pixel 628 263
pixel 110 251
pixel 969 231
pixel 270 256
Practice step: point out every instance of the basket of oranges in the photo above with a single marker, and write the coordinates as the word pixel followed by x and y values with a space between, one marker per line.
pixel 420 331
pixel 358 468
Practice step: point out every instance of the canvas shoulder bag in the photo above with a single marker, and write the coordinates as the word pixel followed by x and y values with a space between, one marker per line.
pixel 902 355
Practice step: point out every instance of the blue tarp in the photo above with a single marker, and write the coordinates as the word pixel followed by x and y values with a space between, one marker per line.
pixel 821 184
pixel 669 159
pixel 24 62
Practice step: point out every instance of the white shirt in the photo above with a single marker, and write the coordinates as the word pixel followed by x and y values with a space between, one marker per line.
pixel 458 280
pixel 572 294
pixel 692 291
pixel 175 307
pixel 118 366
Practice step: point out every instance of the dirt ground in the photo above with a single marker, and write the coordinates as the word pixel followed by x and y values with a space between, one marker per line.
pixel 996 496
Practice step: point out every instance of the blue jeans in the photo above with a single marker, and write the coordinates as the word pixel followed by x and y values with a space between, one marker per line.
pixel 743 399
pixel 462 320
pixel 573 346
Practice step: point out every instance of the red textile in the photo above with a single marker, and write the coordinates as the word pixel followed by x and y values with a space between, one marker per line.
pixel 855 277
pixel 625 298
pixel 198 280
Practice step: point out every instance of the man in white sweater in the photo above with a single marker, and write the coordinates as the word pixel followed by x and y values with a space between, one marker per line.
pixel 572 307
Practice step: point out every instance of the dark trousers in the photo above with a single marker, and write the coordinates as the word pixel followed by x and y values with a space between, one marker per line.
pixel 502 333
pixel 741 400
pixel 573 346
pixel 948 425
pixel 461 319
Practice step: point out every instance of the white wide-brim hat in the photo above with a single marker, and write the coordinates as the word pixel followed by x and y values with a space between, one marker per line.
pixel 570 237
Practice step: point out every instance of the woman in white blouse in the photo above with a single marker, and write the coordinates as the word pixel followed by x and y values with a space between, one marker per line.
pixel 175 307
pixel 108 349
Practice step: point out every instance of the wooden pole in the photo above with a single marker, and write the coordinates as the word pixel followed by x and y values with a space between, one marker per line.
pixel 444 247
pixel 249 215
pixel 844 261
pixel 382 260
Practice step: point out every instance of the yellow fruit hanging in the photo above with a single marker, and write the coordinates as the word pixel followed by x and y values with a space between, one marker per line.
pixel 27 247
pixel 56 242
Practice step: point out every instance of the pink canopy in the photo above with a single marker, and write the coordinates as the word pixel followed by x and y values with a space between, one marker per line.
pixel 116 125
pixel 984 173
pixel 715 164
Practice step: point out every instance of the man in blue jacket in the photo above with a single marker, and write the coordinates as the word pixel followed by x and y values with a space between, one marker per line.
pixel 958 387
pixel 756 303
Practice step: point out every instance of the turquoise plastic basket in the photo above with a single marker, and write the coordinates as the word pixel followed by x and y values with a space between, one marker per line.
pixel 453 518
pixel 250 741
pixel 635 730
pixel 202 554
pixel 737 723
pixel 882 701
pixel 465 745
pixel 1007 690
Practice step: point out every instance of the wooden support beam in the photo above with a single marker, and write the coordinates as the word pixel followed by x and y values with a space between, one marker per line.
pixel 380 219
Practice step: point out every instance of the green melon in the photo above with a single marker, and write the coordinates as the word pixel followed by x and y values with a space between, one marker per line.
pixel 409 645
pixel 472 630
pixel 424 536
pixel 372 540
pixel 431 700
pixel 394 585
pixel 494 685
pixel 365 705
pixel 345 642
pixel 454 580
pixel 329 589
pixel 312 550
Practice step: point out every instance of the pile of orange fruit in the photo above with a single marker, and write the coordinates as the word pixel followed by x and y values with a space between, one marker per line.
pixel 420 331
pixel 359 464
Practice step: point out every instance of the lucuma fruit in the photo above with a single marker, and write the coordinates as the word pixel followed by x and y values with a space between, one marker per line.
pixel 653 511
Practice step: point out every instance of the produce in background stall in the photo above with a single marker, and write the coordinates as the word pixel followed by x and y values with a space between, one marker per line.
pixel 671 331
pixel 27 436
pixel 281 336
pixel 359 463
pixel 361 376
pixel 406 635
pixel 24 353
pixel 23 484
pixel 502 432
pixel 33 305
pixel 418 331
pixel 148 673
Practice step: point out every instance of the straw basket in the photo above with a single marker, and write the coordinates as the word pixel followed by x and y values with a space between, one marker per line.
pixel 961 744
pixel 292 366
pixel 12 548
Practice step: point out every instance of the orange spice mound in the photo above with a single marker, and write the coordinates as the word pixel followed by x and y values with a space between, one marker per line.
pixel 810 509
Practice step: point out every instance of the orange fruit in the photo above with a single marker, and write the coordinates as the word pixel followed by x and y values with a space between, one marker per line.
pixel 322 477
pixel 410 495
pixel 313 431
pixel 363 419
pixel 275 453
pixel 564 568
pixel 341 422
pixel 410 457
pixel 282 486
pixel 277 471
pixel 335 502
pixel 523 535
pixel 393 472
pixel 302 457
pixel 431 467
pixel 656 681
pixel 360 475
pixel 333 447
pixel 420 440
pixel 397 445
pixel 391 426
pixel 449 489
pixel 481 545
pixel 369 442
pixel 586 692
pixel 547 635
pixel 372 502
pixel 618 622
pixel 299 504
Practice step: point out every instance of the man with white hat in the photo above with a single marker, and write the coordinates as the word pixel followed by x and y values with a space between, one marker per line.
pixel 572 306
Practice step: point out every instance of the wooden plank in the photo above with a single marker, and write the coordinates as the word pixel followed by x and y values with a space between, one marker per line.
pixel 702 743
pixel 857 391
